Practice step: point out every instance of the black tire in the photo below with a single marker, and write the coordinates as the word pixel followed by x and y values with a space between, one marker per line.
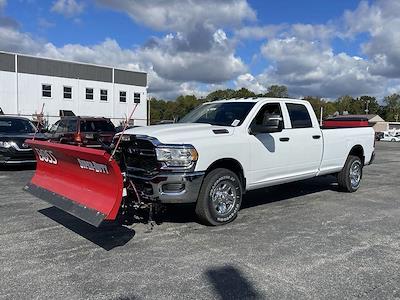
pixel 225 188
pixel 347 179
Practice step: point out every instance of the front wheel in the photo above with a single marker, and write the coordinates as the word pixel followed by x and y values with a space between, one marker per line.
pixel 220 197
pixel 349 179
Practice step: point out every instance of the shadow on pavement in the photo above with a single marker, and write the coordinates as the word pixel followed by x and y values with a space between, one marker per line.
pixel 229 283
pixel 289 190
pixel 111 235
pixel 108 235
pixel 23 167
pixel 185 213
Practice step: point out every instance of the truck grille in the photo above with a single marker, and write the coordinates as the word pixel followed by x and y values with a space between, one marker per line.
pixel 139 158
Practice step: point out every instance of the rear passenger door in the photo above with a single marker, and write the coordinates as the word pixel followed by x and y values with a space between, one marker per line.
pixel 305 140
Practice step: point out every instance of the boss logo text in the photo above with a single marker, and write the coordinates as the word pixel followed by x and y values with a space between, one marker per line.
pixel 46 156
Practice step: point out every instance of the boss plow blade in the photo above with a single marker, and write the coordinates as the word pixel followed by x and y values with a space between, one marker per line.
pixel 81 181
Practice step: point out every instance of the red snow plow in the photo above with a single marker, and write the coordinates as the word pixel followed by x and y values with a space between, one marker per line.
pixel 81 181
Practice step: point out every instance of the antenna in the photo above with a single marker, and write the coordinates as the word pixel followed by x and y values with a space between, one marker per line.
pixel 123 131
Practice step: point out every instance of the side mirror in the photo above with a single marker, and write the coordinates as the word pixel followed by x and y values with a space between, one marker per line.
pixel 270 125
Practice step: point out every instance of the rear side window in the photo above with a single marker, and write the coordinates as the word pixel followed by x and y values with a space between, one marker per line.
pixel 71 126
pixel 97 125
pixel 299 115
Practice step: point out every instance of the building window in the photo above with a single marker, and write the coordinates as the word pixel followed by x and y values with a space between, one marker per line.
pixel 122 96
pixel 136 98
pixel 89 94
pixel 103 95
pixel 46 90
pixel 67 92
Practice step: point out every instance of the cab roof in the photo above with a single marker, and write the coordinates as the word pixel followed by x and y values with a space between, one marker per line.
pixel 258 99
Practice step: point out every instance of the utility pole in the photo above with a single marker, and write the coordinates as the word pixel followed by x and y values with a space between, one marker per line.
pixel 320 116
pixel 367 110
pixel 148 109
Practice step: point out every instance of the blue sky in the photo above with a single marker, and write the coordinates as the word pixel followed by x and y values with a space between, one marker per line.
pixel 321 48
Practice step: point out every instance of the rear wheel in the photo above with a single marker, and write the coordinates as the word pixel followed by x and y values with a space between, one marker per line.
pixel 349 179
pixel 393 140
pixel 220 197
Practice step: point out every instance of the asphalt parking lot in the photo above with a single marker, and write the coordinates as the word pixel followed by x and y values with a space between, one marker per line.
pixel 300 240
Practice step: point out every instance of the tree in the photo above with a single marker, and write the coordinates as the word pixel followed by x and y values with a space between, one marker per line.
pixel 369 105
pixel 243 93
pixel 392 107
pixel 329 108
pixel 221 94
pixel 277 91
pixel 345 104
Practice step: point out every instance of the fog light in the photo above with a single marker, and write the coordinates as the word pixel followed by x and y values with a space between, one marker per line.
pixel 173 187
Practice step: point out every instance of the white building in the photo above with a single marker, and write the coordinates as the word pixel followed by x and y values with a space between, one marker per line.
pixel 26 83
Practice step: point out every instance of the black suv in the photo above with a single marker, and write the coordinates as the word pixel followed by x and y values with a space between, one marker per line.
pixel 13 133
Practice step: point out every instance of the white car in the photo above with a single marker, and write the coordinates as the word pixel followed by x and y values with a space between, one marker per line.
pixel 390 138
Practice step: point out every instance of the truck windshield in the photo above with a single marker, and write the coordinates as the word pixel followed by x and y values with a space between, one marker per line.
pixel 223 114
pixel 16 126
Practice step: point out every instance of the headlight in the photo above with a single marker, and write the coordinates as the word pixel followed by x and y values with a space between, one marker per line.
pixel 6 144
pixel 177 156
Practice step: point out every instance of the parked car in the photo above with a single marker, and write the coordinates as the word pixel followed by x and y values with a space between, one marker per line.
pixel 379 136
pixel 390 138
pixel 13 133
pixel 211 158
pixel 83 131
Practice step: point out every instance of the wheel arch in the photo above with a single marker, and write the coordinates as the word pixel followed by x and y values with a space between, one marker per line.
pixel 232 165
pixel 358 151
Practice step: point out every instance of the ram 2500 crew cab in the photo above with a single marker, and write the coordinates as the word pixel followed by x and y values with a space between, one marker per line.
pixel 222 149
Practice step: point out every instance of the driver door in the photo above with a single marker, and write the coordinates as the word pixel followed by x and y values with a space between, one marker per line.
pixel 269 151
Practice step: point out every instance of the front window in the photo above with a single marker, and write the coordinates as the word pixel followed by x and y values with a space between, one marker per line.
pixel 223 114
pixel 16 126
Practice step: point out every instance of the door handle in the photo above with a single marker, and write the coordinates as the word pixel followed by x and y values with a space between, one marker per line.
pixel 284 139
pixel 316 137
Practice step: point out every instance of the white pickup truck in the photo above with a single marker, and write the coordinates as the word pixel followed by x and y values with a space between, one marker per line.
pixel 224 148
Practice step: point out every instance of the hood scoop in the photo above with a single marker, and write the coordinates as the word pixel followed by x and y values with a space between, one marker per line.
pixel 220 131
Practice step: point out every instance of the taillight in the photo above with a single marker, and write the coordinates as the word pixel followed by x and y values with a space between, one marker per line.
pixel 78 138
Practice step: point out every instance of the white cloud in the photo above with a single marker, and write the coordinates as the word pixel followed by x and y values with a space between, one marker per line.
pixel 312 68
pixel 381 20
pixel 184 15
pixel 3 3
pixel 248 81
pixel 68 8
pixel 260 32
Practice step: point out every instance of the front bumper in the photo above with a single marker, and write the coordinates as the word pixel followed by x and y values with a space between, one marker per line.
pixel 12 156
pixel 169 187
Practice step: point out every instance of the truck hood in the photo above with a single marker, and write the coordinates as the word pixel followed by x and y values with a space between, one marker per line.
pixel 181 133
